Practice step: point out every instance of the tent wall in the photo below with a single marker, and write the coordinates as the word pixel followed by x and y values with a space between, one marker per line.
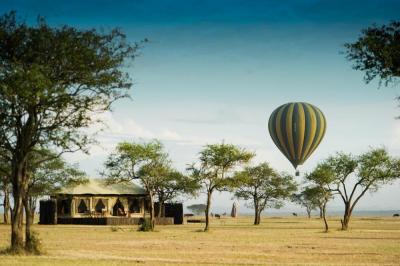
pixel 48 212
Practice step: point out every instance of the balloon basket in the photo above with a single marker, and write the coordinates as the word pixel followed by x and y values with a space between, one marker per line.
pixel 297 173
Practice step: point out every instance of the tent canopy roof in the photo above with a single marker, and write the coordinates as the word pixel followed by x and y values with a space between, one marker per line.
pixel 99 187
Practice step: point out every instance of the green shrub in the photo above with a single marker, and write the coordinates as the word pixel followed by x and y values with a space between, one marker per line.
pixel 145 225
pixel 34 246
pixel 114 228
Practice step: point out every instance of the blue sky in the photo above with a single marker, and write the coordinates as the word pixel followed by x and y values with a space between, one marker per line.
pixel 215 70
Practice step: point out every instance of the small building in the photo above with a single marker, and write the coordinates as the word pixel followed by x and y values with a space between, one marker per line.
pixel 98 199
pixel 96 202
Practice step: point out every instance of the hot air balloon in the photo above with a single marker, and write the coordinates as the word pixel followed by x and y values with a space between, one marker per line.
pixel 297 129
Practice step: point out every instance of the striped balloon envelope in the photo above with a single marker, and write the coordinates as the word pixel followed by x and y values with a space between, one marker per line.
pixel 297 129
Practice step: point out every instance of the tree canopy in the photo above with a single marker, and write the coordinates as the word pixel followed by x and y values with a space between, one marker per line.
pixel 377 52
pixel 216 162
pixel 264 187
pixel 129 160
pixel 171 185
pixel 53 81
pixel 355 175
pixel 51 176
pixel 308 198
pixel 147 162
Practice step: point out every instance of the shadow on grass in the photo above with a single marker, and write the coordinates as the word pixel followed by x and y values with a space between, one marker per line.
pixel 323 232
pixel 364 238
pixel 8 251
pixel 12 252
pixel 144 232
pixel 283 222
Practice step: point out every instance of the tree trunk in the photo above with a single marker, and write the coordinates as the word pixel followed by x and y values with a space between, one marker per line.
pixel 161 208
pixel 259 216
pixel 321 211
pixel 207 211
pixel 324 217
pixel 346 217
pixel 256 212
pixel 152 221
pixel 17 242
pixel 308 213
pixel 6 204
pixel 255 215
pixel 28 223
pixel 19 187
pixel 32 208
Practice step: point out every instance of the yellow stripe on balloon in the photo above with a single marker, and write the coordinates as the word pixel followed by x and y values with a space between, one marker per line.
pixel 320 133
pixel 300 128
pixel 289 120
pixel 313 128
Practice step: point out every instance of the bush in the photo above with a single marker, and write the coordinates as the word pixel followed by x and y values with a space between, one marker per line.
pixel 114 228
pixel 144 225
pixel 117 228
pixel 34 246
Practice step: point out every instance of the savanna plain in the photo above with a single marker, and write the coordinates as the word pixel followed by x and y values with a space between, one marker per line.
pixel 277 241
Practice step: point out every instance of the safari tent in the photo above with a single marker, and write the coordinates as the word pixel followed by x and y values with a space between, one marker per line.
pixel 98 199
pixel 96 202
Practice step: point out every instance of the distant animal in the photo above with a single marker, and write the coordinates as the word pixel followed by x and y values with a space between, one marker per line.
pixel 294 214
pixel 396 215
pixel 217 216
pixel 212 214
pixel 224 214
pixel 188 215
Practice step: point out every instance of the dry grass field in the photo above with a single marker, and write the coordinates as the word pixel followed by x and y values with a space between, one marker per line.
pixel 277 241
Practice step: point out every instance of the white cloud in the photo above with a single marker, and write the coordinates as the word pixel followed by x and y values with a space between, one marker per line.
pixel 170 135
pixel 114 130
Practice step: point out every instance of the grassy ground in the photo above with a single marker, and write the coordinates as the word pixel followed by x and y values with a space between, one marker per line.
pixel 296 241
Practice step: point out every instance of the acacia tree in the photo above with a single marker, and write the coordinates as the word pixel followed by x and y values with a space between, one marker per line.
pixel 321 179
pixel 53 82
pixel 146 162
pixel 377 52
pixel 264 187
pixel 308 198
pixel 216 162
pixel 171 185
pixel 354 176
